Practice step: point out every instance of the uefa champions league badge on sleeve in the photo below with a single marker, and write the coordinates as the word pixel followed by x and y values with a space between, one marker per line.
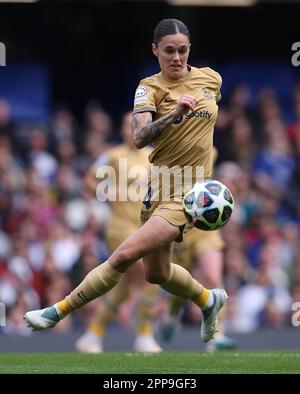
pixel 140 95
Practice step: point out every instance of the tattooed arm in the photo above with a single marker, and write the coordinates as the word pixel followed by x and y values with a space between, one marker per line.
pixel 144 131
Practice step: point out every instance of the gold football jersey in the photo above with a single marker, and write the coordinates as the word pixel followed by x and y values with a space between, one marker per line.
pixel 189 140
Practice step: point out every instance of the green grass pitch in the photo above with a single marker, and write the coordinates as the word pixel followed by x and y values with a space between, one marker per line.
pixel 166 362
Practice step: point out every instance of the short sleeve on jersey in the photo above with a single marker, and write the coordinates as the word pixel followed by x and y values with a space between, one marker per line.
pixel 219 95
pixel 218 82
pixel 144 99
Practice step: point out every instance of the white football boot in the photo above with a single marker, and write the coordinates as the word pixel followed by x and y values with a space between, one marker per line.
pixel 146 344
pixel 41 319
pixel 221 343
pixel 210 315
pixel 89 343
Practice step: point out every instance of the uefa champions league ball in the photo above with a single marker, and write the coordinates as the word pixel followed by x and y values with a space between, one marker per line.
pixel 208 205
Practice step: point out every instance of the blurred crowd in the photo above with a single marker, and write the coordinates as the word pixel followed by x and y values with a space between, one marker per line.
pixel 51 227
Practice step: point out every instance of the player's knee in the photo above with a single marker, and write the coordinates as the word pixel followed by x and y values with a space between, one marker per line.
pixel 123 256
pixel 157 278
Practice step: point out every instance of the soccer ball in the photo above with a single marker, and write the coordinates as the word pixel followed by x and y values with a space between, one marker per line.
pixel 208 205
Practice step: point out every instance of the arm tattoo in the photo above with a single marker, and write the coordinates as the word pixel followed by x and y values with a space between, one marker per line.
pixel 144 131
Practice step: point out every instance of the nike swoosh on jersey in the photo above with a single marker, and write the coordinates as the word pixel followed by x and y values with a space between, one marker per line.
pixel 169 100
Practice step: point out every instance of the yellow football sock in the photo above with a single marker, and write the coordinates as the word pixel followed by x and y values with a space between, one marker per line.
pixel 64 307
pixel 204 300
pixel 96 329
pixel 145 330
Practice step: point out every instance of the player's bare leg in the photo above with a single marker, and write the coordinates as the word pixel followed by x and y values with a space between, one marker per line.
pixel 153 240
pixel 152 235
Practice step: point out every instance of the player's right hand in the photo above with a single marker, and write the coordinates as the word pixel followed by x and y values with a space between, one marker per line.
pixel 186 103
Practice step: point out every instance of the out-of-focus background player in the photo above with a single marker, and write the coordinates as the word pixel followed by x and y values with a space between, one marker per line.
pixel 123 221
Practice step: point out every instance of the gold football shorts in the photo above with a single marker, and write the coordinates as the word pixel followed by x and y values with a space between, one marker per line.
pixel 170 210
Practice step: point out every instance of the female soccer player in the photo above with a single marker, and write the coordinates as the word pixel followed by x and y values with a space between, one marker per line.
pixel 175 111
